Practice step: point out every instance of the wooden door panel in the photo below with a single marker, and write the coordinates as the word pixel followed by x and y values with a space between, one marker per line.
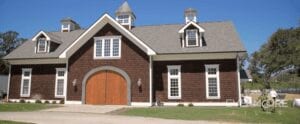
pixel 95 89
pixel 106 87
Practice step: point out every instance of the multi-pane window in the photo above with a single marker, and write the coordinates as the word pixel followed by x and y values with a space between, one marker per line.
pixel 212 81
pixel 191 37
pixel 123 19
pixel 42 45
pixel 174 82
pixel 60 82
pixel 107 47
pixel 25 82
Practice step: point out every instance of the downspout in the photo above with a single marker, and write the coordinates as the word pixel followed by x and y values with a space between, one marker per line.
pixel 239 80
pixel 150 80
pixel 8 82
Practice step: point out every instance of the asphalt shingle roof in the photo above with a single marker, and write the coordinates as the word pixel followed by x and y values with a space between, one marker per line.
pixel 163 39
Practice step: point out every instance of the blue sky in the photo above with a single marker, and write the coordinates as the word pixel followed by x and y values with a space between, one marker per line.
pixel 255 20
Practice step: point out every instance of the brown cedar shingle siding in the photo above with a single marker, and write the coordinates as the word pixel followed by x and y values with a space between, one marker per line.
pixel 133 61
pixel 193 80
pixel 42 80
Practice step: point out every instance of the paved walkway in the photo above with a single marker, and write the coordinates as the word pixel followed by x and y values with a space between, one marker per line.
pixel 43 117
pixel 99 109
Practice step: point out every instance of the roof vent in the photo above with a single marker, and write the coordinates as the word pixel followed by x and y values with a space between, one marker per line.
pixel 68 25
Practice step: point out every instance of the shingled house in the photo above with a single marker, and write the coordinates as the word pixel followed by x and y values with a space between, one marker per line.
pixel 117 63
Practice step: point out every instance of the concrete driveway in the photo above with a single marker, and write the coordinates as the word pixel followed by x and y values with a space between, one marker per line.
pixel 46 117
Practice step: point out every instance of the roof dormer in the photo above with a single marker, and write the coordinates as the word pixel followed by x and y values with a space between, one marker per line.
pixel 45 43
pixel 191 35
pixel 68 25
pixel 125 16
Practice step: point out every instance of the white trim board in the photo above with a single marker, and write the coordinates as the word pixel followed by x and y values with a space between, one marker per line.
pixel 41 33
pixel 140 104
pixel 196 56
pixel 201 103
pixel 73 102
pixel 37 61
pixel 99 24
pixel 191 23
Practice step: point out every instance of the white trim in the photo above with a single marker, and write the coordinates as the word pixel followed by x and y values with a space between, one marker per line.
pixel 66 84
pixel 191 23
pixel 239 81
pixel 8 81
pixel 59 77
pixel 73 102
pixel 140 104
pixel 33 100
pixel 68 28
pixel 95 27
pixel 202 103
pixel 195 56
pixel 36 61
pixel 217 75
pixel 40 33
pixel 111 38
pixel 187 39
pixel 29 82
pixel 178 77
pixel 150 79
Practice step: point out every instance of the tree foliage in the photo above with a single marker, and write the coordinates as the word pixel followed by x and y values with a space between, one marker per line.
pixel 281 52
pixel 8 42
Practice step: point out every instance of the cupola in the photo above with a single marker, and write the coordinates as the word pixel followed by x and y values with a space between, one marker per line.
pixel 125 16
pixel 68 25
pixel 190 14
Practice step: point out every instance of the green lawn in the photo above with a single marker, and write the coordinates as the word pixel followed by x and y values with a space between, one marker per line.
pixel 19 107
pixel 230 114
pixel 12 122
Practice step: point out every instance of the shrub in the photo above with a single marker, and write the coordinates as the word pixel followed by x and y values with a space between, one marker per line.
pixel 190 104
pixel 180 105
pixel 46 102
pixel 38 101
pixel 22 101
pixel 62 102
pixel 54 102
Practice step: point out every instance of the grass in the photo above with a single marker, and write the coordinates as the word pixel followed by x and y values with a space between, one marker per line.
pixel 20 107
pixel 12 122
pixel 285 115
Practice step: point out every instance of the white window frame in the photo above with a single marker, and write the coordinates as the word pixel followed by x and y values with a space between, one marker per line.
pixel 178 67
pixel 123 19
pixel 38 46
pixel 187 38
pixel 217 76
pixel 29 82
pixel 65 28
pixel 103 38
pixel 60 77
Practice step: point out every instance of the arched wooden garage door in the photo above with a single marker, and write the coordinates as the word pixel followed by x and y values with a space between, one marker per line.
pixel 106 88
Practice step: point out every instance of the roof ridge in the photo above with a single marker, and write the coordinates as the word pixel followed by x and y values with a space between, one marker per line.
pixel 221 21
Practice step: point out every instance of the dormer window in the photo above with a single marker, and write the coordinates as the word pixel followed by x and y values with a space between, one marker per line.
pixel 191 37
pixel 123 19
pixel 42 45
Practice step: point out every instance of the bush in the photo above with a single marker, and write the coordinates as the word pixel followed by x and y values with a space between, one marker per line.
pixel 54 102
pixel 22 101
pixel 38 101
pixel 46 102
pixel 62 102
pixel 180 105
pixel 190 105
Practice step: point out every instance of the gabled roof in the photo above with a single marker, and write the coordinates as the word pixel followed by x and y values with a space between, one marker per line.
pixel 99 24
pixel 49 36
pixel 165 39
pixel 189 24
pixel 26 50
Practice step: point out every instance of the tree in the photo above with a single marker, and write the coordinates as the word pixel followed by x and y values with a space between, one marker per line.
pixel 8 42
pixel 281 52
